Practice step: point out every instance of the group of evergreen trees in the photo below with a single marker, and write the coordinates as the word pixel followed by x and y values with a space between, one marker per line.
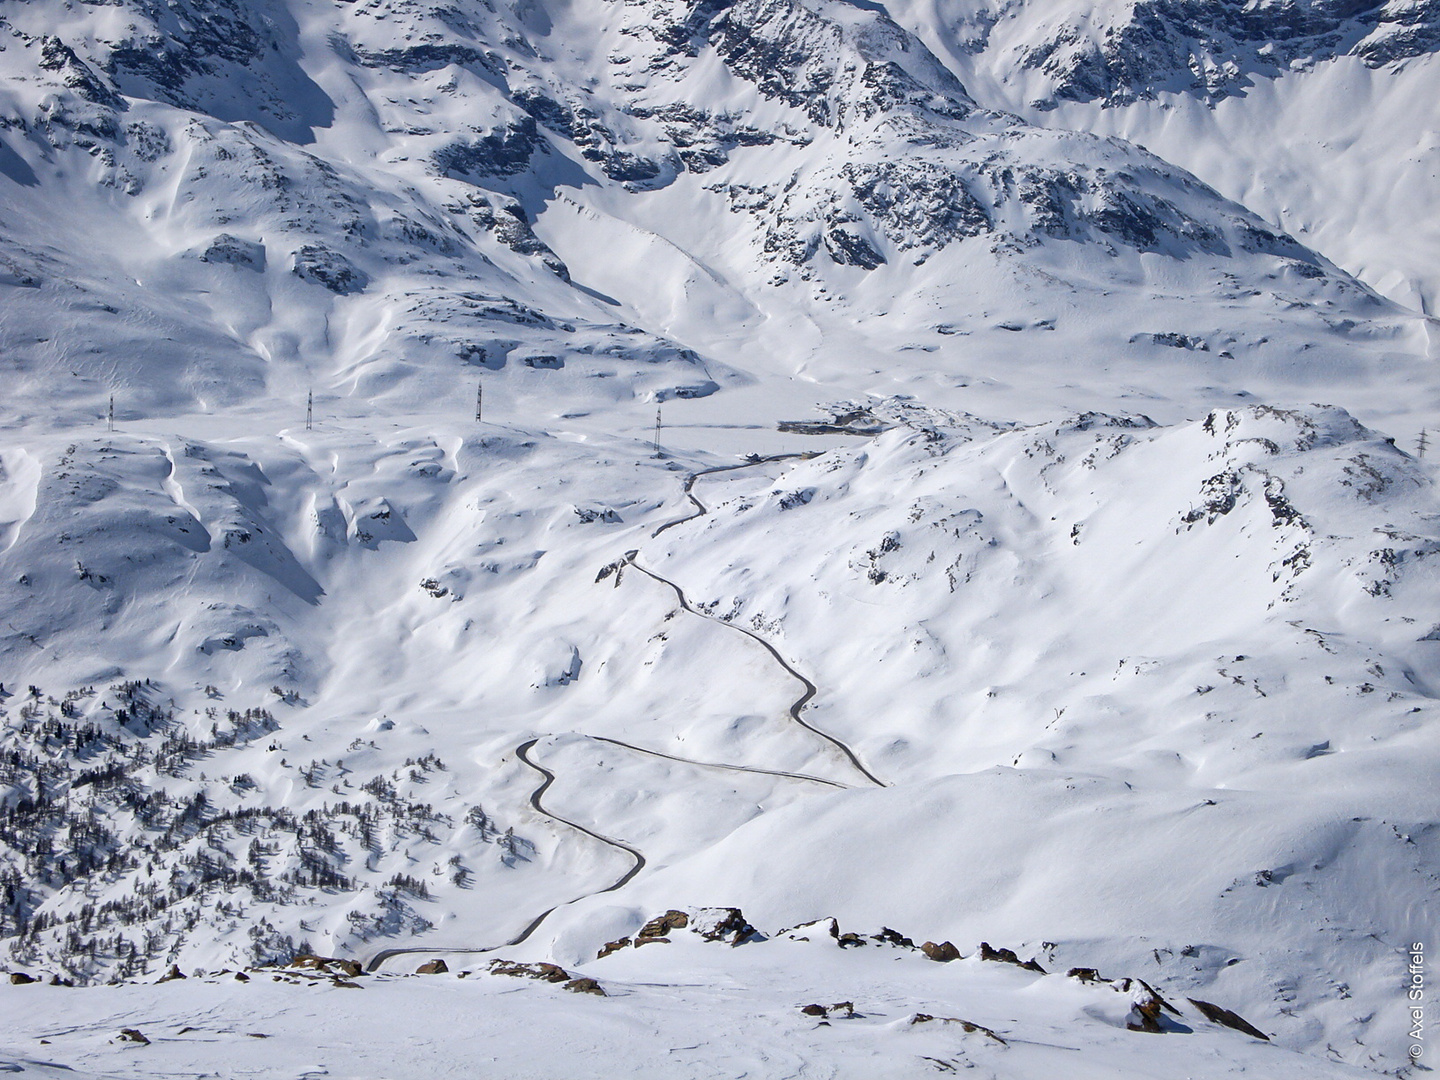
pixel 116 849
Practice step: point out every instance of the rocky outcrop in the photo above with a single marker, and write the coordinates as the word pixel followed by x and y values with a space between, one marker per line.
pixel 324 266
pixel 503 217
pixel 233 251
pixel 965 1025
pixel 843 1009
pixel 942 953
pixel 326 965
pixel 661 925
pixel 1216 1015
pixel 433 967
pixel 585 986
pixel 1215 50
pixel 504 151
pixel 552 973
pixel 1008 956
pixel 725 924
pixel 60 60
pixel 612 947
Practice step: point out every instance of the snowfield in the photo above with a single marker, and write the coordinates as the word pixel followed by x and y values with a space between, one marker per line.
pixel 619 487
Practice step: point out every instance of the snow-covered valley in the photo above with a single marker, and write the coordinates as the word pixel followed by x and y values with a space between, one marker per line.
pixel 475 478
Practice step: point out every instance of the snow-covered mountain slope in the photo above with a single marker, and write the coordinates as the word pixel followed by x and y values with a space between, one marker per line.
pixel 1136 641
pixel 1159 696
pixel 395 239
pixel 1319 117
pixel 1120 52
pixel 797 1004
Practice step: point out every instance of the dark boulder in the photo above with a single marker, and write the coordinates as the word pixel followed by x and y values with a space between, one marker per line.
pixel 942 953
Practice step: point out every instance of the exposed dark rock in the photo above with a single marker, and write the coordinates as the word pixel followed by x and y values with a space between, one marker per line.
pixel 1216 50
pixel 965 1025
pixel 588 515
pixel 561 119
pixel 585 986
pixel 543 971
pixel 433 967
pixel 723 924
pixel 146 141
pixel 612 946
pixel 943 953
pixel 1007 956
pixel 663 924
pixel 1085 975
pixel 233 251
pixel 59 59
pixel 810 930
pixel 327 964
pixel 886 936
pixel 173 974
pixel 328 268
pixel 597 142
pixel 1145 1013
pixel 503 152
pixel 133 1035
pixel 1216 1015
pixel 20 978
pixel 505 219
pixel 1218 495
pixel 843 1009
pixel 848 247
pixel 917 204
pixel 702 140
pixel 423 58
pixel 1173 340
pixel 626 167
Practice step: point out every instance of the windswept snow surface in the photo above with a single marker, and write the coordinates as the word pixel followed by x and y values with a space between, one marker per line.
pixel 1028 595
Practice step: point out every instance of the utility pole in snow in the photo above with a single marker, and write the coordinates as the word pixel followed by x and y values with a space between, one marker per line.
pixel 110 415
pixel 1424 443
pixel 479 401
pixel 309 410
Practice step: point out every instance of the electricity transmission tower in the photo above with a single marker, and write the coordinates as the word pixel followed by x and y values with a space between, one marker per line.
pixel 479 402
pixel 1424 443
pixel 657 429
pixel 110 415
pixel 309 410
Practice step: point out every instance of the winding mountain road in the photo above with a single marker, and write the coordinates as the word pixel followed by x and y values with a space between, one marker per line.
pixel 523 751
pixel 547 778
pixel 700 508
pixel 799 703
pixel 718 765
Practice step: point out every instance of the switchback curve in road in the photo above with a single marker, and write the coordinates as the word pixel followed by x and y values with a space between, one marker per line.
pixel 547 778
pixel 800 702
pixel 700 508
